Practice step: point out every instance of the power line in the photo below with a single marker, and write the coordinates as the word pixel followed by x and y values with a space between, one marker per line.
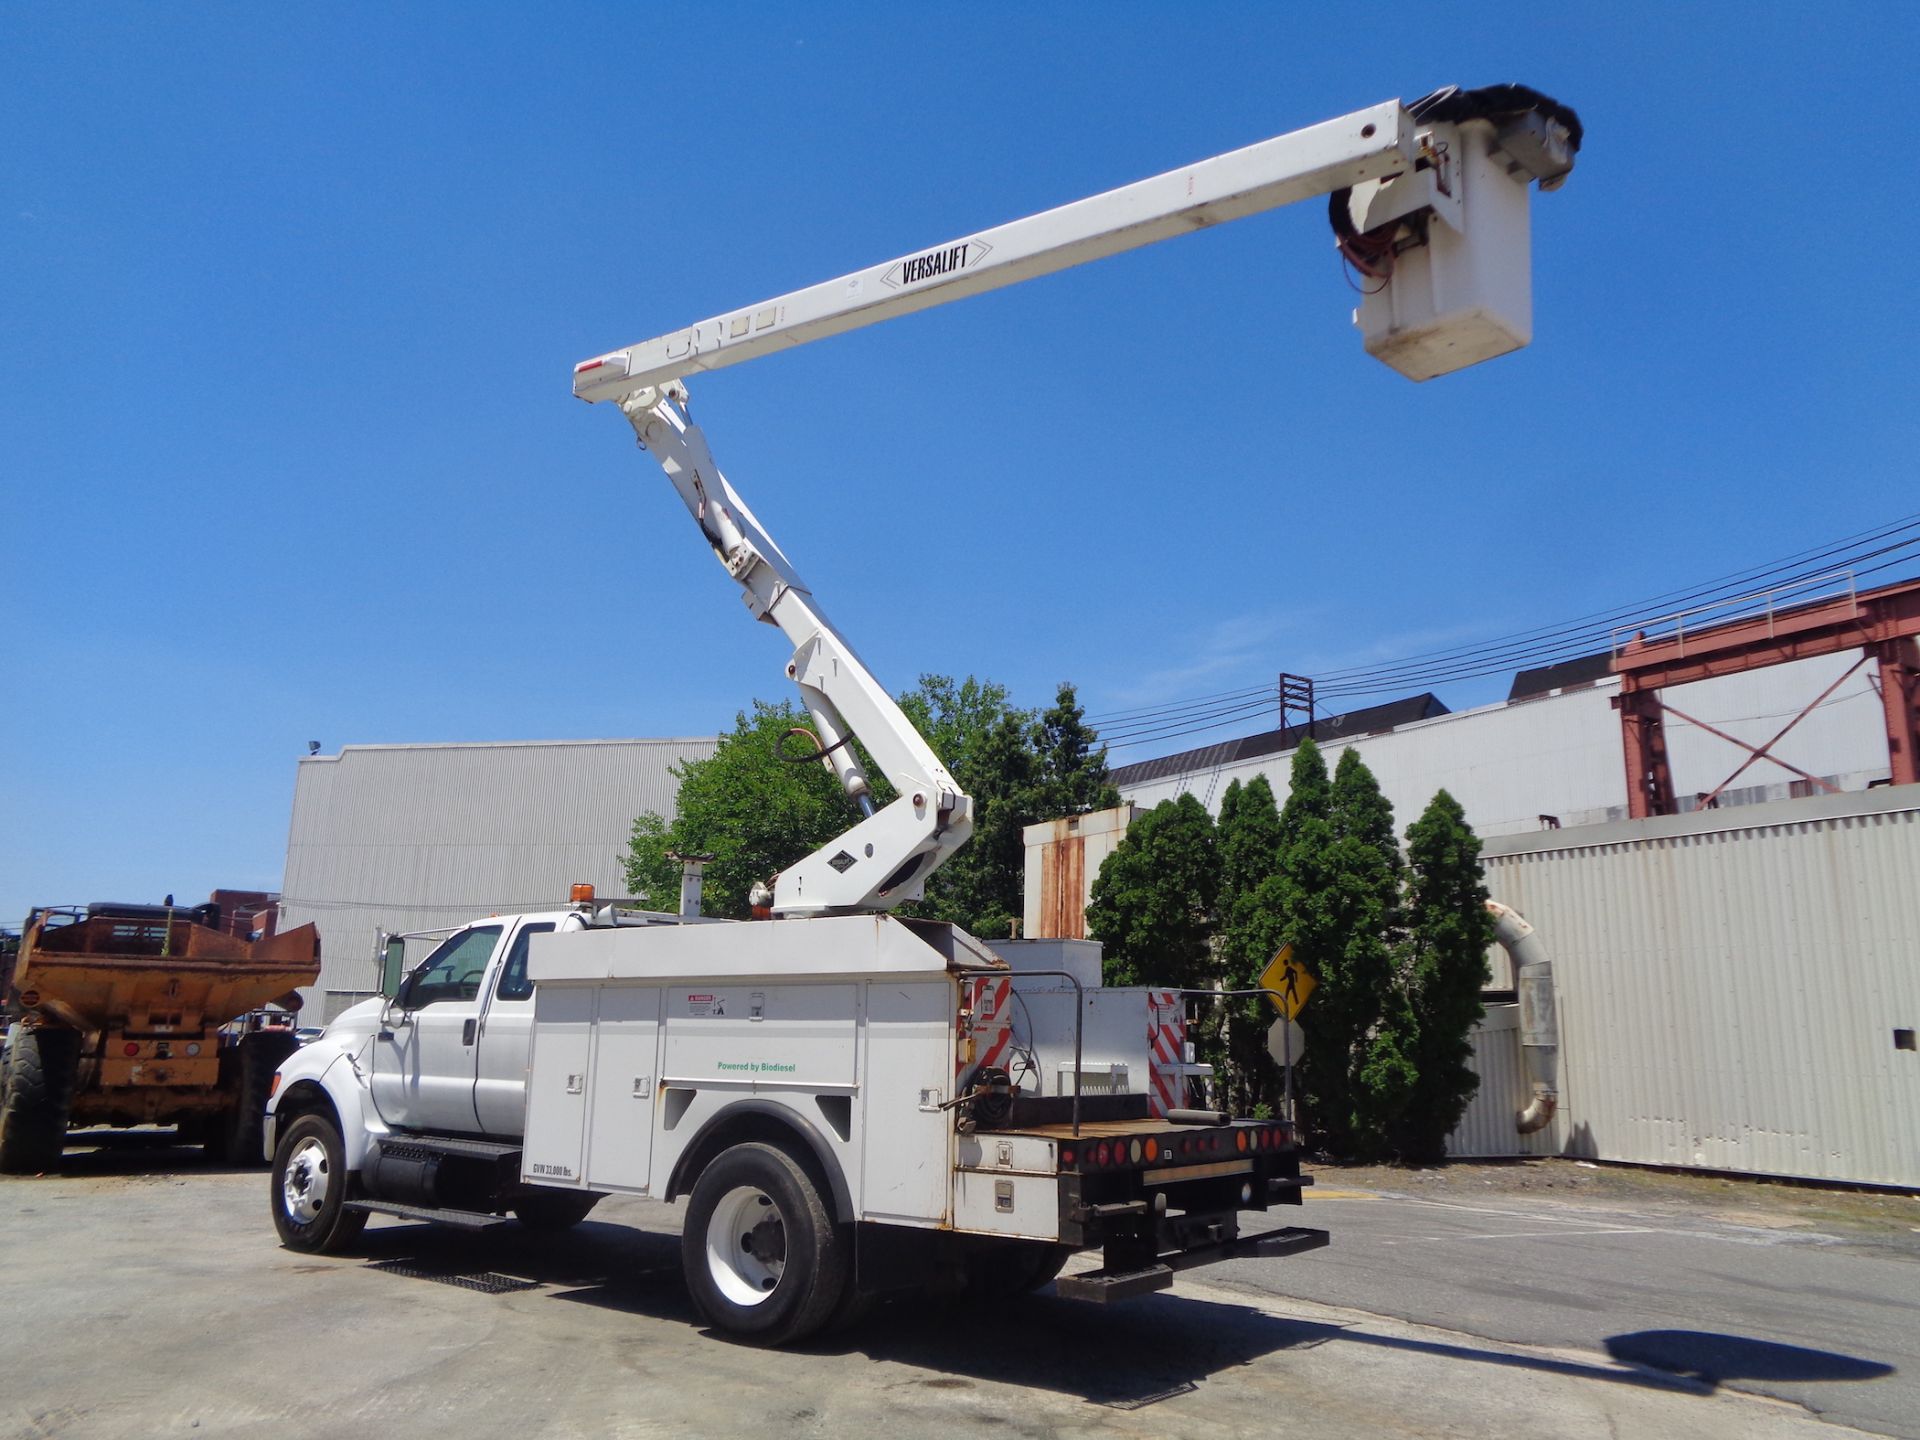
pixel 1602 623
pixel 1157 709
pixel 1894 544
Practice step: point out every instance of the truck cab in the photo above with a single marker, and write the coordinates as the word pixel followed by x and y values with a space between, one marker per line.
pixel 450 1055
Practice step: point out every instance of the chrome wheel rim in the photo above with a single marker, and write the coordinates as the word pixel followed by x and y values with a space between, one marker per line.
pixel 303 1189
pixel 746 1244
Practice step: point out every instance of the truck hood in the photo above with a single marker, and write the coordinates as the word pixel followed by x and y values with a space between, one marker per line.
pixel 355 1023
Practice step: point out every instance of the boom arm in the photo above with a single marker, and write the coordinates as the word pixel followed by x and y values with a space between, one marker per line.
pixel 886 858
pixel 1430 199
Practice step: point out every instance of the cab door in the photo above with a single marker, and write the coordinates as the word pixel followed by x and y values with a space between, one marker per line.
pixel 506 1035
pixel 423 1058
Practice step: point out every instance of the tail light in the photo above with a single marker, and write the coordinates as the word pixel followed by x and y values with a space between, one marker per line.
pixel 130 1049
pixel 1102 1153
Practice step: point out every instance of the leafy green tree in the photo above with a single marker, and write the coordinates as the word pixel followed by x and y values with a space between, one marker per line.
pixel 987 745
pixel 1448 932
pixel 745 805
pixel 1153 901
pixel 1252 929
pixel 756 812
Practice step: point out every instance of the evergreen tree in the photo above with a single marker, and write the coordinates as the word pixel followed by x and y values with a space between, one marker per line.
pixel 1153 901
pixel 1073 778
pixel 1367 865
pixel 1252 929
pixel 1301 894
pixel 1448 932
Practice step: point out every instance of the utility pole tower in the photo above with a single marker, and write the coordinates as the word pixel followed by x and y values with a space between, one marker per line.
pixel 1296 697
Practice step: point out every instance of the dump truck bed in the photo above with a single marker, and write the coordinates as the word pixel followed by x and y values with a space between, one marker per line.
pixel 105 970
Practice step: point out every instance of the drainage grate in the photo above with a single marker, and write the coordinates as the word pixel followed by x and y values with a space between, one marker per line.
pixel 1154 1397
pixel 487 1282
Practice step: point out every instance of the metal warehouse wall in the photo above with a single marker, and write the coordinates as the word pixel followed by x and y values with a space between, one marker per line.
pixel 1730 984
pixel 1486 1130
pixel 407 837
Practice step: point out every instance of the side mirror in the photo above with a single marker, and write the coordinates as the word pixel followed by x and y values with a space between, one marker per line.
pixel 393 966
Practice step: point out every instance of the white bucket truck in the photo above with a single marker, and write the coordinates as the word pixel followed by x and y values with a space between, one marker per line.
pixel 853 1102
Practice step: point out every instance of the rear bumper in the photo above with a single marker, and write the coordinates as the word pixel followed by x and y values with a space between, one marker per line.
pixel 1108 1283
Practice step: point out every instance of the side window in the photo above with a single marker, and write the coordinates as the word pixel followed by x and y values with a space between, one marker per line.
pixel 514 984
pixel 453 971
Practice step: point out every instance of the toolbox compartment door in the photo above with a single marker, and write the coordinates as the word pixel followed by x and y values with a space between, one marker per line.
pixel 557 1085
pixel 620 1121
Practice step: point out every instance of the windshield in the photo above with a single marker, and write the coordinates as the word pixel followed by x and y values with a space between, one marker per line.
pixel 453 970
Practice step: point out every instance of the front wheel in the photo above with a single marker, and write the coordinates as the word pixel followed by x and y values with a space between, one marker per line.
pixel 763 1257
pixel 309 1189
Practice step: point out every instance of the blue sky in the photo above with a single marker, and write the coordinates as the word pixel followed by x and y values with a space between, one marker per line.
pixel 287 449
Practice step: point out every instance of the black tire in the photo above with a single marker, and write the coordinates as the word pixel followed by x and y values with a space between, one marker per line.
pixel 1004 1269
pixel 788 1272
pixel 240 1135
pixel 554 1211
pixel 1049 1268
pixel 41 1067
pixel 310 1154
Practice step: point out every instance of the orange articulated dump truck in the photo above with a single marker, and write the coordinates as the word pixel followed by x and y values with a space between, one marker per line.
pixel 144 1015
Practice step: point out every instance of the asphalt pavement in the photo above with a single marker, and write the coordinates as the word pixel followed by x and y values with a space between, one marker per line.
pixel 141 1294
pixel 1829 1321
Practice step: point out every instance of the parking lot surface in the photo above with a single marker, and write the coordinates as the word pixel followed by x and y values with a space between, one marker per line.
pixel 144 1295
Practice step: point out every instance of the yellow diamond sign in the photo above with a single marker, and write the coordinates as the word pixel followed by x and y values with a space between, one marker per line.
pixel 1288 985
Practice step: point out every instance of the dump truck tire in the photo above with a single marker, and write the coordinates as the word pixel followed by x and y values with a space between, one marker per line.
pixel 41 1066
pixel 309 1189
pixel 763 1257
pixel 243 1134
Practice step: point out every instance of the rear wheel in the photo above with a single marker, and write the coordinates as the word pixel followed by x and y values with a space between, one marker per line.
pixel 555 1211
pixel 763 1257
pixel 1002 1270
pixel 309 1189
pixel 41 1066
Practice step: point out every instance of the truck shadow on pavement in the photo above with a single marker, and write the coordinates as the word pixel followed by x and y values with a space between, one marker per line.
pixel 1126 1357
pixel 1714 1360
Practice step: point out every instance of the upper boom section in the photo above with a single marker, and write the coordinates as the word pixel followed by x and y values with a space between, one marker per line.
pixel 1367 145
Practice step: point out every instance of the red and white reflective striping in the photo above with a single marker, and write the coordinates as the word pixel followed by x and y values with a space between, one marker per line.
pixel 987 1021
pixel 1167 1050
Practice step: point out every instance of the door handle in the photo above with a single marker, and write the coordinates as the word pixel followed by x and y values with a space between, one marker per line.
pixel 467 1030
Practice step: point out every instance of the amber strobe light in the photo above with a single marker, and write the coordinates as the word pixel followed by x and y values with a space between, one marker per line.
pixel 582 895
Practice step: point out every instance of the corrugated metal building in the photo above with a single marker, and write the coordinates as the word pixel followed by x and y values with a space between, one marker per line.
pixel 407 837
pixel 1737 989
